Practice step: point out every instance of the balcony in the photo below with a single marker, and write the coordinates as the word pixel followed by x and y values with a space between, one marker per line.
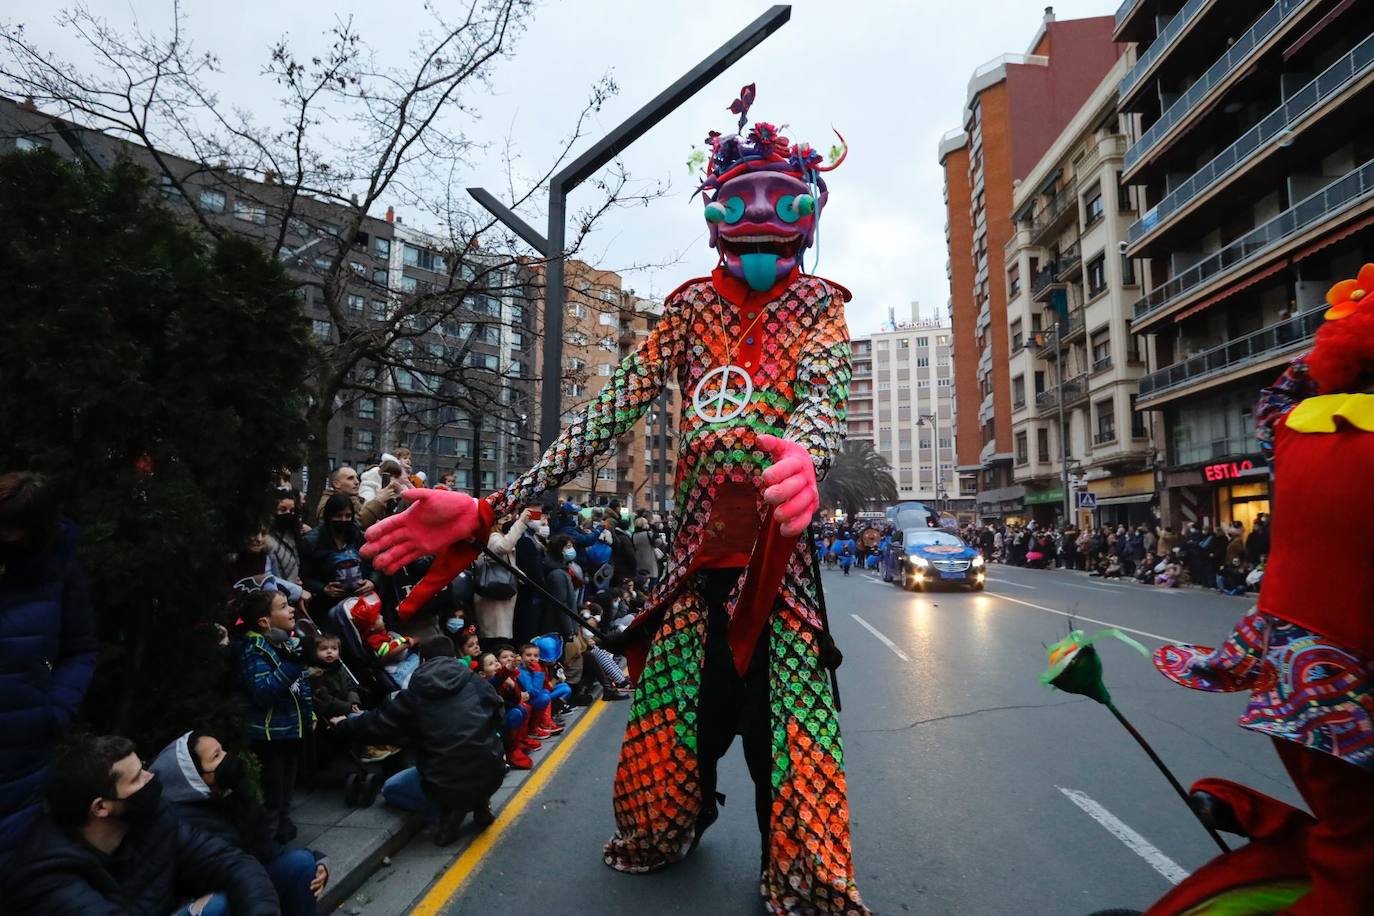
pixel 1168 36
pixel 1101 365
pixel 1339 196
pixel 1047 400
pixel 1233 356
pixel 863 370
pixel 1234 61
pixel 1278 123
pixel 1068 330
pixel 1104 437
pixel 1044 281
pixel 1069 264
pixel 1214 450
pixel 1075 389
pixel 1053 216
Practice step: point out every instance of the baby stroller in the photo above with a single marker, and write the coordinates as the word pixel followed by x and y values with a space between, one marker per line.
pixel 364 781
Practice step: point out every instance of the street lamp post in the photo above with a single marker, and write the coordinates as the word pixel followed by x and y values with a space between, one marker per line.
pixel 1063 429
pixel 584 167
pixel 933 420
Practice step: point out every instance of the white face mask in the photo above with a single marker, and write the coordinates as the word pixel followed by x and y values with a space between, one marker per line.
pixel 542 531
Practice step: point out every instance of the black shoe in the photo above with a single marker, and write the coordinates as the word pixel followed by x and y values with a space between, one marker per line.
pixel 483 817
pixel 612 694
pixel 448 828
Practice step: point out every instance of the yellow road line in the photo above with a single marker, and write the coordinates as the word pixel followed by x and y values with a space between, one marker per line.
pixel 452 879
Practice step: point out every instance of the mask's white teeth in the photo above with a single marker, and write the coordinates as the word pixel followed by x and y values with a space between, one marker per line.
pixel 756 239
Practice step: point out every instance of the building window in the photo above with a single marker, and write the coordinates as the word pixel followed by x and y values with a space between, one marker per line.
pixel 1138 428
pixel 378 309
pixel 250 213
pixel 1042 444
pixel 30 143
pixel 366 409
pixel 379 276
pixel 409 284
pixel 942 340
pixel 1127 271
pixel 517 314
pixel 1102 349
pixel 922 362
pixel 604 370
pixel 422 258
pixel 1018 337
pixel 355 304
pixel 577 310
pixel 574 390
pixel 1022 449
pixel 166 186
pixel 363 440
pixel 382 247
pixel 212 201
pixel 577 339
pixel 322 329
pixel 923 341
pixel 903 343
pixel 1092 207
pixel 1106 421
pixel 1097 275
pixel 1018 391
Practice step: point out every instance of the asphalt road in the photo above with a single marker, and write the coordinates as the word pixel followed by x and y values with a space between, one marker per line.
pixel 973 789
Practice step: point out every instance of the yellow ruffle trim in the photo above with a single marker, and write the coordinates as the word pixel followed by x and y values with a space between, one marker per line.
pixel 1319 414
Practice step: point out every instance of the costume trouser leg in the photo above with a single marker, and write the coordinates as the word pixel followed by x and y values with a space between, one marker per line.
pixel 1340 846
pixel 659 796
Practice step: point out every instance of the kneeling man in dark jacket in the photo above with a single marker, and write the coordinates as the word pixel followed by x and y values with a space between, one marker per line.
pixel 449 716
pixel 109 844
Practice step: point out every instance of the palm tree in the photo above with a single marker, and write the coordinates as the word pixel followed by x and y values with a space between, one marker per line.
pixel 858 476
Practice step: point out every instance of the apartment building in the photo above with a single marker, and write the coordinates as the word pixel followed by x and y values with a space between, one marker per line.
pixel 603 324
pixel 1075 365
pixel 1257 185
pixel 901 399
pixel 1016 107
pixel 386 262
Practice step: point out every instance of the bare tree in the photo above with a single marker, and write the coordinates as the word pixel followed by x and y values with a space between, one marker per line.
pixel 353 136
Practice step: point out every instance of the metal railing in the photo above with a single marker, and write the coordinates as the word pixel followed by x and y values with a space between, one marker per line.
pixel 1210 451
pixel 1103 363
pixel 1339 195
pixel 1063 199
pixel 1106 437
pixel 1332 80
pixel 1161 44
pixel 1235 354
pixel 1236 57
pixel 1067 261
pixel 1076 388
pixel 1043 278
pixel 1124 10
pixel 1047 399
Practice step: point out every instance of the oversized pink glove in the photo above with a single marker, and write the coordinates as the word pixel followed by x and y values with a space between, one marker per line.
pixel 791 485
pixel 435 520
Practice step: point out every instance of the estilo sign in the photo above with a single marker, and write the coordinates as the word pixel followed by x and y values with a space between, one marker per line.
pixel 1227 470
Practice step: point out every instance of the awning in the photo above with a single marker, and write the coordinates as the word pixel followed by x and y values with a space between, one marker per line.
pixel 1334 237
pixel 1231 290
pixel 1125 500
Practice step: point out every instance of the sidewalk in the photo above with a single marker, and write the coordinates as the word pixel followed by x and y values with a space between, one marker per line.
pixel 359 841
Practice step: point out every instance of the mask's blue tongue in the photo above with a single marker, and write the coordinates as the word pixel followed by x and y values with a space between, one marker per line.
pixel 760 270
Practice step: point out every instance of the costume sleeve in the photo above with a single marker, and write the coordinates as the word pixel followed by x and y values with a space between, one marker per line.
pixel 822 387
pixel 1293 386
pixel 639 379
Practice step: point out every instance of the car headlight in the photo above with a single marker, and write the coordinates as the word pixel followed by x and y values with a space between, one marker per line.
pixel 919 562
pixel 978 562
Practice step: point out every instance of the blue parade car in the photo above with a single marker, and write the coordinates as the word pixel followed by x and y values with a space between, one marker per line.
pixel 920 558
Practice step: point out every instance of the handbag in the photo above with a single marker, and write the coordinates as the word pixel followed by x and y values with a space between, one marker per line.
pixel 493 580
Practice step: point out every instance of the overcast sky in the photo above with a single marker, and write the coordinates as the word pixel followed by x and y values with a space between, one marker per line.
pixel 890 75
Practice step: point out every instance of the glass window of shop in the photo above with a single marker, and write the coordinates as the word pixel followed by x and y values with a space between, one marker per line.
pixel 1244 502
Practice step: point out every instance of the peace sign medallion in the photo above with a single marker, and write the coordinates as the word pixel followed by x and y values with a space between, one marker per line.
pixel 722 394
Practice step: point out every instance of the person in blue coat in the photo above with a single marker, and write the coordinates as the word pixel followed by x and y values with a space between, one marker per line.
pixel 846 551
pixel 47 646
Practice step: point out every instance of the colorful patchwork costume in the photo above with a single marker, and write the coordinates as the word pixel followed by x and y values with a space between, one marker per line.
pixel 731 640
pixel 1306 652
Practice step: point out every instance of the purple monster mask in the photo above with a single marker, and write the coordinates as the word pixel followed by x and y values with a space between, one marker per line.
pixel 763 198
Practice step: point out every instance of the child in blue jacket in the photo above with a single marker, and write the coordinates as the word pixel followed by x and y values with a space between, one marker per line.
pixel 534 681
pixel 277 699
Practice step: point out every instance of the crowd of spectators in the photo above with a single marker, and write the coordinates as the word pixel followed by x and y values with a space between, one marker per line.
pixel 1224 557
pixel 337 692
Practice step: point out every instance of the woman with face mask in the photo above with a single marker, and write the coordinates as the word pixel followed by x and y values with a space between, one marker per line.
pixel 332 569
pixel 203 783
pixel 558 555
pixel 495 617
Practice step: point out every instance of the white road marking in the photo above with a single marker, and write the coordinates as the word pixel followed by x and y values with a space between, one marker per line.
pixel 881 638
pixel 1088 588
pixel 1171 870
pixel 1105 623
pixel 1011 583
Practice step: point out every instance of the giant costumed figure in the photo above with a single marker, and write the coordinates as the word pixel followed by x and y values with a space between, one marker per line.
pixel 732 641
pixel 1304 653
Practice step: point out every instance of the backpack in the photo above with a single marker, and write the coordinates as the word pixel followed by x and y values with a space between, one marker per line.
pixel 493 580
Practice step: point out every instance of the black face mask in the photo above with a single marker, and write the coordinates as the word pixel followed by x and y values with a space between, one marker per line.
pixel 229 774
pixel 142 806
pixel 343 530
pixel 285 523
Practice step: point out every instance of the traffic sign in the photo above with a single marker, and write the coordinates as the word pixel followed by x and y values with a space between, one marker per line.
pixel 1087 500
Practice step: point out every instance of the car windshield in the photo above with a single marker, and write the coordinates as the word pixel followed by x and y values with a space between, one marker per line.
pixel 917 537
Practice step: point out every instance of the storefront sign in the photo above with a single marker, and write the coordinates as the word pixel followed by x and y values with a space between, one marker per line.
pixel 1227 470
pixel 1044 497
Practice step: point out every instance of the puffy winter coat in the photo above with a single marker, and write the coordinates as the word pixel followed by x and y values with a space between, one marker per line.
pixel 157 868
pixel 47 656
pixel 449 715
pixel 276 689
